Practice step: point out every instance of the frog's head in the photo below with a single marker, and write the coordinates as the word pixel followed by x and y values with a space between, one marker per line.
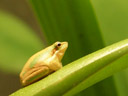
pixel 59 49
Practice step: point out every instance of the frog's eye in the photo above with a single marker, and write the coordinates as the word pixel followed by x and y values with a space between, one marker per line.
pixel 59 44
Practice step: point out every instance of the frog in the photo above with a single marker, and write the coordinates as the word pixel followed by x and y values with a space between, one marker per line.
pixel 43 63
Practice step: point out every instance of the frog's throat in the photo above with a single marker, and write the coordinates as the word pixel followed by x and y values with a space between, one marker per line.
pixel 59 55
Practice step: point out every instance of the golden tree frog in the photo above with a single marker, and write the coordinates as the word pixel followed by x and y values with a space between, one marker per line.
pixel 43 63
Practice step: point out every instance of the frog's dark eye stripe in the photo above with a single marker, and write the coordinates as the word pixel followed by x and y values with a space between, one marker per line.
pixel 57 46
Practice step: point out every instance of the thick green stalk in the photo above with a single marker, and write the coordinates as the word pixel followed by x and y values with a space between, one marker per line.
pixel 81 74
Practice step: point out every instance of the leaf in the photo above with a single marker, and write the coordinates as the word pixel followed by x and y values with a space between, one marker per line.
pixel 81 73
pixel 113 23
pixel 17 43
pixel 75 21
pixel 60 24
pixel 87 25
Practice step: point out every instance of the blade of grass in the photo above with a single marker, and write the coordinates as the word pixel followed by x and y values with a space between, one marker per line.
pixel 81 73
pixel 59 24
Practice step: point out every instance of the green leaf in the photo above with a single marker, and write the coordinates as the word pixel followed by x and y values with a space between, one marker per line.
pixel 17 43
pixel 60 24
pixel 80 23
pixel 113 21
pixel 81 73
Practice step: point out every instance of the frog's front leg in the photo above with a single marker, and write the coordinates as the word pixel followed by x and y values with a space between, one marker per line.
pixel 35 74
pixel 56 65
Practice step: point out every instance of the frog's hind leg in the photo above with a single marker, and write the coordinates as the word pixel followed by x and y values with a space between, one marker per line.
pixel 35 74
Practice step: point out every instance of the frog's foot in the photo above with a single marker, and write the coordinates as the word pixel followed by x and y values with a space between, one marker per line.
pixel 35 74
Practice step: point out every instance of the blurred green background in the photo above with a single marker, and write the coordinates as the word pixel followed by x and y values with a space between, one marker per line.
pixel 87 25
pixel 20 37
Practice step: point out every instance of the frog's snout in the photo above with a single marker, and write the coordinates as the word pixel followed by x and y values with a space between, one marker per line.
pixel 64 45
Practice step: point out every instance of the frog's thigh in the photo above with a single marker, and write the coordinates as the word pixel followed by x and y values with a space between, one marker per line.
pixel 40 72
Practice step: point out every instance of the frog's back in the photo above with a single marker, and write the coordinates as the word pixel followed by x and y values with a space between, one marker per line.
pixel 33 60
